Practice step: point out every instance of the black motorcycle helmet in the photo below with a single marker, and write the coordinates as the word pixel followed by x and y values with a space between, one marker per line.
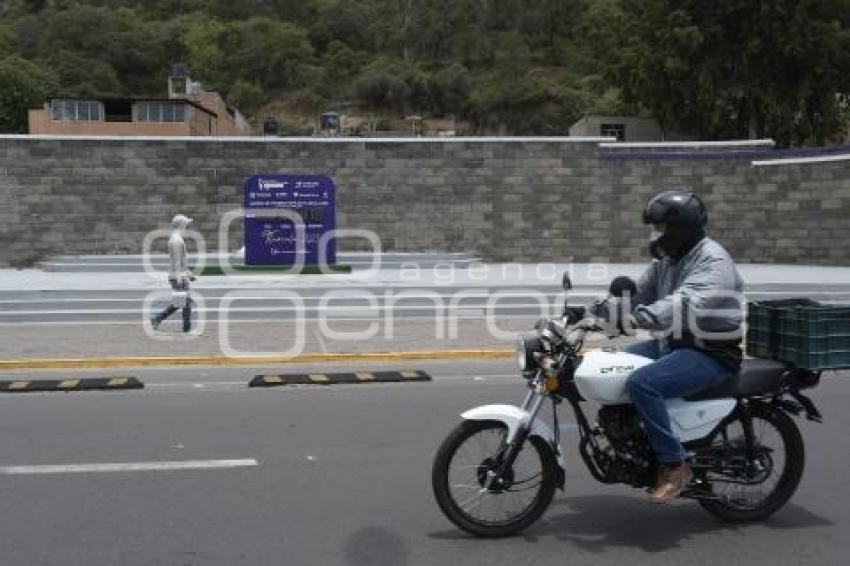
pixel 684 218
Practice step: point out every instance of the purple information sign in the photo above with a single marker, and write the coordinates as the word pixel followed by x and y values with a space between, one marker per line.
pixel 272 240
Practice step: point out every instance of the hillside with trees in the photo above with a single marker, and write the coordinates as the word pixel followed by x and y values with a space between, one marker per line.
pixel 719 69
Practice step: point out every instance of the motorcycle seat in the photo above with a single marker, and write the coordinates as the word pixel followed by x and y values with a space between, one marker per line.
pixel 755 377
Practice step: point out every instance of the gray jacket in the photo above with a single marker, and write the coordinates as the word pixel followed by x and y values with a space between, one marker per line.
pixel 178 267
pixel 695 301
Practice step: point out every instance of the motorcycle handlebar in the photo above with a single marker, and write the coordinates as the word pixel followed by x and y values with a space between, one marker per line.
pixel 574 313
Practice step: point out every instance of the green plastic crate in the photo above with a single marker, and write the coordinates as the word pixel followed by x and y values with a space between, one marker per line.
pixel 805 336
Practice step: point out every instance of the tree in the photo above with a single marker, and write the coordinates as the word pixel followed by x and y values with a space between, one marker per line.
pixel 719 69
pixel 301 12
pixel 269 52
pixel 239 10
pixel 735 68
pixel 272 54
pixel 247 97
pixel 449 90
pixel 28 31
pixel 206 44
pixel 7 41
pixel 382 85
pixel 345 21
pixel 77 75
pixel 530 103
pixel 23 85
pixel 123 39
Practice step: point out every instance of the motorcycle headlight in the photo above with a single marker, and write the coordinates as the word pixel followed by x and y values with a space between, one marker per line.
pixel 526 347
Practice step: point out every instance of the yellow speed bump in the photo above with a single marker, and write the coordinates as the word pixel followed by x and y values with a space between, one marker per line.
pixel 339 378
pixel 72 384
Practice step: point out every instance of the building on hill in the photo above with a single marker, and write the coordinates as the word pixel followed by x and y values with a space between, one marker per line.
pixel 188 111
pixel 624 128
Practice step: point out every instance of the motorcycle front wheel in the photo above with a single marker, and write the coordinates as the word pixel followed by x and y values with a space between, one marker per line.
pixel 477 494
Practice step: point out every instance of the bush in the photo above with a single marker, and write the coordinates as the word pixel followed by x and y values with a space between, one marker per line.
pixel 247 97
pixel 381 86
pixel 383 125
pixel 23 85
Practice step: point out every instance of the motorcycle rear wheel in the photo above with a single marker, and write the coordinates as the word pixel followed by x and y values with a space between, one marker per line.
pixel 787 478
pixel 458 511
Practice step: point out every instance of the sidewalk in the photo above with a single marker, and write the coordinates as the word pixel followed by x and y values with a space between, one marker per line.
pixel 596 275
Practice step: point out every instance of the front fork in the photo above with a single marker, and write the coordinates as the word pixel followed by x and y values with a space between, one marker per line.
pixel 531 406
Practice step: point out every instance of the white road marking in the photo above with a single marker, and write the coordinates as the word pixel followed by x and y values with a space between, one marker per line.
pixel 269 320
pixel 127 467
pixel 379 296
pixel 196 385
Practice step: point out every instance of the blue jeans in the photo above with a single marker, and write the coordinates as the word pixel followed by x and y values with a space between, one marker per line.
pixel 177 285
pixel 677 373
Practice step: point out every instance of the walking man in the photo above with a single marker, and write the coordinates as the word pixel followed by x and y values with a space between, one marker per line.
pixel 178 275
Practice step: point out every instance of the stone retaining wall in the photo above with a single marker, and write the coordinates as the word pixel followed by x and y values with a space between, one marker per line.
pixel 512 199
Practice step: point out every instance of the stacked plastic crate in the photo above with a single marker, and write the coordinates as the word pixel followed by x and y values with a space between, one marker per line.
pixel 801 333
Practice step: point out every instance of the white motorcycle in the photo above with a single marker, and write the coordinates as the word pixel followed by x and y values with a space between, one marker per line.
pixel 496 472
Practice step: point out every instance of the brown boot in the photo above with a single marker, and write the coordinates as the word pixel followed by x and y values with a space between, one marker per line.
pixel 671 482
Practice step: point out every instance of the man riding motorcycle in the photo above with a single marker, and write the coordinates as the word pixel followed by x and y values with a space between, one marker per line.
pixel 689 298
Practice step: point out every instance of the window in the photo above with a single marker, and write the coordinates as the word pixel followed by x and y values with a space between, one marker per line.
pixel 160 112
pixel 613 130
pixel 179 86
pixel 87 110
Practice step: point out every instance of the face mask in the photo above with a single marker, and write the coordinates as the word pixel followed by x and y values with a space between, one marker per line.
pixel 656 241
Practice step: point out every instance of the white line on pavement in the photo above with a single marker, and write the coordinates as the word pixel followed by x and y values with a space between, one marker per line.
pixel 344 297
pixel 196 385
pixel 466 316
pixel 127 467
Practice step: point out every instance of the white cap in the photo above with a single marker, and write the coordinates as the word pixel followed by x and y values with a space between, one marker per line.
pixel 181 221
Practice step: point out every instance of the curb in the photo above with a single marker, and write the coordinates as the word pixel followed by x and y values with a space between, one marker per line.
pixel 78 363
pixel 84 384
pixel 334 378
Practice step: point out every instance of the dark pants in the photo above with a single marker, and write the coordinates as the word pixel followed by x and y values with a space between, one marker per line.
pixel 674 374
pixel 176 285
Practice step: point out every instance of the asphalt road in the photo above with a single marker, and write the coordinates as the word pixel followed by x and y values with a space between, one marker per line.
pixel 342 477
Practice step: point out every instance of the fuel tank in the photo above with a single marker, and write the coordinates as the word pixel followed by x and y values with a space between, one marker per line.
pixel 602 375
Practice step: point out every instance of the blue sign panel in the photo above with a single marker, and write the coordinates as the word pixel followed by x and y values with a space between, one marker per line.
pixel 272 240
